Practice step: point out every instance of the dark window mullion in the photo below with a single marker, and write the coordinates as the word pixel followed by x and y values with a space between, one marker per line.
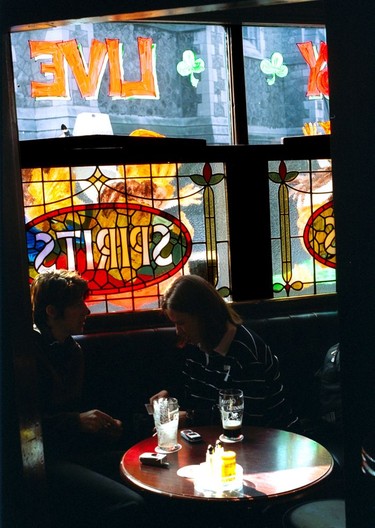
pixel 249 224
pixel 237 85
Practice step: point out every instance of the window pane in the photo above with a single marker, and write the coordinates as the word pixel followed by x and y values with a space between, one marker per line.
pixel 286 80
pixel 302 227
pixel 129 229
pixel 113 78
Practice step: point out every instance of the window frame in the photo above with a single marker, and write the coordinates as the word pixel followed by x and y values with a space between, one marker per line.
pixel 236 156
pixel 83 151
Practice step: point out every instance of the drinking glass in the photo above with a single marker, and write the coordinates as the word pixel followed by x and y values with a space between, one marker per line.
pixel 166 415
pixel 231 405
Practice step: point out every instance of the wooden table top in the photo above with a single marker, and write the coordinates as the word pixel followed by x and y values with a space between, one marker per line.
pixel 275 463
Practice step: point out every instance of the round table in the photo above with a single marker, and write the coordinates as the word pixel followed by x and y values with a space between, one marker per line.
pixel 275 464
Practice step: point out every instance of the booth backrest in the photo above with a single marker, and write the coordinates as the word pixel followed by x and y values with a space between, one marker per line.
pixel 300 342
pixel 124 368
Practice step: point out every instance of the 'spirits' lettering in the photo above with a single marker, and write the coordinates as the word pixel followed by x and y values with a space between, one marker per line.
pixel 112 248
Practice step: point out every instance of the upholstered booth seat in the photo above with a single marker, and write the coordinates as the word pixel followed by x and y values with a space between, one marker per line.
pixel 327 513
pixel 125 366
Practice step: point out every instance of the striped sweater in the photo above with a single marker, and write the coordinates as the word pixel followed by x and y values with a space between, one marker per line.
pixel 249 365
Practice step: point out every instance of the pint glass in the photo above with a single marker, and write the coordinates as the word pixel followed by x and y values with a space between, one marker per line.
pixel 231 405
pixel 166 414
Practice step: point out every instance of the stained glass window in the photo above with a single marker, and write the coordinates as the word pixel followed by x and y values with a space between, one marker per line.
pixel 128 229
pixel 303 228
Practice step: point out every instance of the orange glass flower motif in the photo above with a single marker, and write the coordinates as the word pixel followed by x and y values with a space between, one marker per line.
pixel 310 129
pixel 326 126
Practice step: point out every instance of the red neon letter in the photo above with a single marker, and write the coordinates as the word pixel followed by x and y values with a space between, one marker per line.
pixel 146 87
pixel 56 88
pixel 318 78
pixel 88 79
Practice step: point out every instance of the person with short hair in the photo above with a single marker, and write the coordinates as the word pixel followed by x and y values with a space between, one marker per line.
pixel 82 446
pixel 221 352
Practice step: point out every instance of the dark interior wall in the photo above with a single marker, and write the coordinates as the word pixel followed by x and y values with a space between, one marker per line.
pixel 21 445
pixel 352 78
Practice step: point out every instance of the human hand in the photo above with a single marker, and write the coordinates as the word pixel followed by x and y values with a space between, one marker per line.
pixel 96 421
pixel 182 419
pixel 162 394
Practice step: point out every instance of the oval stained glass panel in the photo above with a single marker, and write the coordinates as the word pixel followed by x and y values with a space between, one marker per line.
pixel 319 235
pixel 116 247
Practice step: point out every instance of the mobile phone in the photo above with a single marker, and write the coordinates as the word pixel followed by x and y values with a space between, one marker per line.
pixel 191 436
pixel 154 459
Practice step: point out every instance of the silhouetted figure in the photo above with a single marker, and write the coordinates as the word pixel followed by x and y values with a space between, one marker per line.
pixel 65 131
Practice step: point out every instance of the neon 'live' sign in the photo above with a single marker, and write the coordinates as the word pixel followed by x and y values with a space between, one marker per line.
pixel 317 62
pixel 89 77
pixel 63 54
